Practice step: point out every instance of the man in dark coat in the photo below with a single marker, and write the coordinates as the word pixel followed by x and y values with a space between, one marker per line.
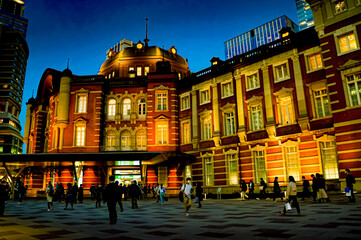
pixel 92 192
pixel 306 184
pixel 120 196
pixel 81 193
pixel 350 180
pixel 262 192
pixel 111 196
pixel 314 187
pixel 276 190
pixel 134 193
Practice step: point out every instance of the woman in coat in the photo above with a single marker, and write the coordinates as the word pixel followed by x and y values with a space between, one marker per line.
pixel 291 195
pixel 49 196
pixel 69 196
pixel 243 190
pixel 199 194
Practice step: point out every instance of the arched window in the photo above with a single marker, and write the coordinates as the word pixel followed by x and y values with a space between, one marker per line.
pixel 125 141
pixel 126 108
pixel 110 140
pixel 141 140
pixel 141 107
pixel 111 108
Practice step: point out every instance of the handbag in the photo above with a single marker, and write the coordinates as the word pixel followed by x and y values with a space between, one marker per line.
pixel 288 206
pixel 196 199
pixel 348 192
pixel 261 188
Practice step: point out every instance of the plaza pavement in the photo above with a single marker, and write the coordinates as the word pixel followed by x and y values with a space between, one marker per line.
pixel 228 219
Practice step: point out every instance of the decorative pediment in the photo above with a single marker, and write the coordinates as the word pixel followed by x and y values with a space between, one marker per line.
pixel 254 99
pixel 80 120
pixel 349 64
pixel 205 113
pixel 161 118
pixel 82 90
pixel 283 91
pixel 161 87
pixel 228 107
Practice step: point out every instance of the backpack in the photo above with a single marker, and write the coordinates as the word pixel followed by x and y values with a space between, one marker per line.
pixel 51 192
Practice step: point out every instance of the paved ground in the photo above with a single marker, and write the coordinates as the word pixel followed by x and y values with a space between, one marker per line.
pixel 230 219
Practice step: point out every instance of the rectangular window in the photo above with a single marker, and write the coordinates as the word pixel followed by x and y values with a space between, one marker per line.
pixel 315 62
pixel 185 103
pixel 209 173
pixel 347 42
pixel 139 71
pixel 227 90
pixel 125 142
pixel 186 132
pixel 232 169
pixel 256 118
pixel 146 71
pixel 253 82
pixel 354 88
pixel 204 95
pixel 162 133
pixel 206 128
pixel 340 6
pixel 141 142
pixel 321 103
pixel 259 165
pixel 230 126
pixel 110 141
pixel 162 101
pixel 281 72
pixel 82 102
pixel 329 159
pixel 286 112
pixel 131 72
pixel 293 167
pixel 80 136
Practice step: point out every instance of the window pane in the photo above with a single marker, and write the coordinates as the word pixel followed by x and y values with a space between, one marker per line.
pixel 292 162
pixel 329 159
pixel 260 166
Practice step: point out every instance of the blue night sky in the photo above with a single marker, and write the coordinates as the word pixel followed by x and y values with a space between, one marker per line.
pixel 83 30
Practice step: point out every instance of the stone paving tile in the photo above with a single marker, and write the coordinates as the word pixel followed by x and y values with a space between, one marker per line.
pixel 160 233
pixel 215 235
pixel 7 233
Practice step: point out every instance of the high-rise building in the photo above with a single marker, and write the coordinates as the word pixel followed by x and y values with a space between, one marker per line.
pixel 14 53
pixel 256 37
pixel 304 13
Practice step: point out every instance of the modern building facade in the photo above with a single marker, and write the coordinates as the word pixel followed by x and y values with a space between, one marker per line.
pixel 305 15
pixel 256 37
pixel 14 53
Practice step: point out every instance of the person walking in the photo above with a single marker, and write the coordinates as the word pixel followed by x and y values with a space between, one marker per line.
pixel 157 193
pixel 111 196
pixel 49 196
pixel 92 191
pixel 276 190
pixel 199 194
pixel 305 185
pixel 69 198
pixel 3 197
pixel 75 192
pixel 291 195
pixel 81 193
pixel 243 190
pixel 314 188
pixel 134 193
pixel 187 199
pixel 322 194
pixel 250 189
pixel 350 181
pixel 262 188
pixel 21 192
pixel 98 196
pixel 120 196
pixel 162 192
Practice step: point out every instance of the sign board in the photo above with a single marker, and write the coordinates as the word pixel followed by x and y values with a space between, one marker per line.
pixel 127 163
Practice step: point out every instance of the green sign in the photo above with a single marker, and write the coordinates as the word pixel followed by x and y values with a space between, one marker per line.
pixel 127 163
pixel 122 177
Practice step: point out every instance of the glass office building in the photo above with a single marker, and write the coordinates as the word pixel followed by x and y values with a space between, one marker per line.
pixel 256 37
pixel 304 13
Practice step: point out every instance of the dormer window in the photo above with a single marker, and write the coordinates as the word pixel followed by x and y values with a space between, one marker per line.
pixel 340 6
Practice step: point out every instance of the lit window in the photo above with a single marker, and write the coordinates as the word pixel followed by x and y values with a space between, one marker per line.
pixel 256 117
pixel 146 71
pixel 259 165
pixel 354 88
pixel 185 103
pixel 82 102
pixel 252 81
pixel 131 72
pixel 186 132
pixel 329 159
pixel 162 101
pixel 139 71
pixel 111 108
pixel 209 172
pixel 340 6
pixel 315 62
pixel 227 90
pixel 293 167
pixel 204 95
pixel 126 108
pixel 232 169
pixel 206 128
pixel 11 123
pixel 347 43
pixel 162 133
pixel 125 140
pixel 141 140
pixel 141 107
pixel 321 103
pixel 286 112
pixel 80 136
pixel 281 72
pixel 110 140
pixel 230 126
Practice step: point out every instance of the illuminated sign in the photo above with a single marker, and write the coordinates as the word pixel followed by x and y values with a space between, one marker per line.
pixel 127 163
pixel 126 172
pixel 123 177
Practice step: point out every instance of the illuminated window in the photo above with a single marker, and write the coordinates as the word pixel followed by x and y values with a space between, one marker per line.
pixel 340 6
pixel 162 133
pixel 139 71
pixel 256 117
pixel 206 128
pixel 111 108
pixel 185 103
pixel 329 159
pixel 253 82
pixel 204 95
pixel 142 107
pixel 321 103
pixel 281 72
pixel 141 140
pixel 186 132
pixel 209 172
pixel 126 108
pixel 285 110
pixel 81 103
pixel 110 140
pixel 188 171
pixel 315 62
pixel 146 71
pixel 347 42
pixel 232 169
pixel 354 88
pixel 293 167
pixel 162 101
pixel 259 165
pixel 227 90
pixel 131 72
pixel 11 123
pixel 229 124
pixel 80 136
pixel 125 140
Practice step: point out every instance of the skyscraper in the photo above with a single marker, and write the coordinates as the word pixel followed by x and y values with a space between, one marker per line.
pixel 14 53
pixel 256 37
pixel 304 13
